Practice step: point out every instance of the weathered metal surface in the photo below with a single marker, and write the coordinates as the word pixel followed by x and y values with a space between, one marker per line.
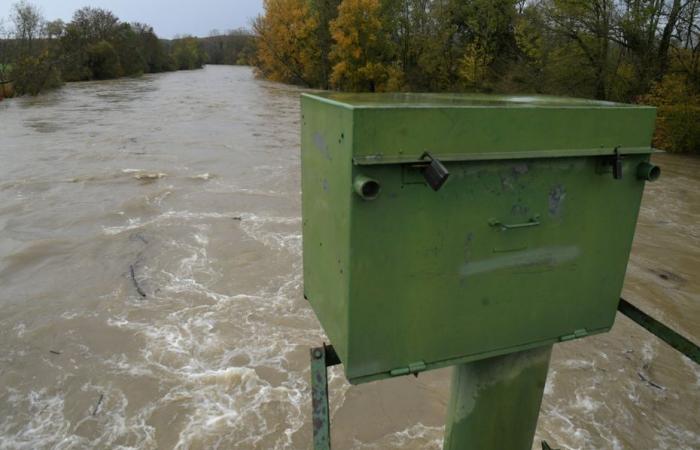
pixel 663 332
pixel 321 358
pixel 496 402
pixel 319 400
pixel 525 245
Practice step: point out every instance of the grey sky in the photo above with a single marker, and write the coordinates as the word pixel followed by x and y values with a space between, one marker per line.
pixel 167 17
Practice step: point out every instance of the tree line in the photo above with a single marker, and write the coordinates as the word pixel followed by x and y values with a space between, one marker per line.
pixel 645 51
pixel 37 54
pixel 234 47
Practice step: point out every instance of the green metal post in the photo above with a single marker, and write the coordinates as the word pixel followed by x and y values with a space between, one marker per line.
pixel 495 402
pixel 321 359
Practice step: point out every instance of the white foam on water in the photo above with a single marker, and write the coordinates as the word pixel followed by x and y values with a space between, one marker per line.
pixel 425 436
pixel 203 176
pixel 694 369
pixel 579 364
pixel 233 375
pixel 254 226
pixel 586 404
pixel 20 329
pixel 43 424
pixel 172 216
pixel 186 349
pixel 648 352
pixel 674 437
pixel 550 383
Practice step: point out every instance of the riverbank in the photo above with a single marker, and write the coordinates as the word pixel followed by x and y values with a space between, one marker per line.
pixel 192 179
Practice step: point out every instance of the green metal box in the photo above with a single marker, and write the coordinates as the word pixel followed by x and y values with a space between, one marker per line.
pixel 526 244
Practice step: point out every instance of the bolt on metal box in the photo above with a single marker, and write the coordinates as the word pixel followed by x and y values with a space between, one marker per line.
pixel 443 229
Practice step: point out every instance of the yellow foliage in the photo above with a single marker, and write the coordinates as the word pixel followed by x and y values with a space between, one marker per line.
pixel 287 47
pixel 362 53
pixel 474 65
pixel 678 122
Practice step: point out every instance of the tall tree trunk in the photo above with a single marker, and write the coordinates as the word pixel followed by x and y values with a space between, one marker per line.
pixel 665 41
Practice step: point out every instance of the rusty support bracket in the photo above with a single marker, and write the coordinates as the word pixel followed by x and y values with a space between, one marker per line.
pixel 321 359
pixel 663 332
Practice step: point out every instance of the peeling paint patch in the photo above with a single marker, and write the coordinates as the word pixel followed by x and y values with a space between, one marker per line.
pixel 556 200
pixel 521 169
pixel 546 257
pixel 320 143
pixel 507 183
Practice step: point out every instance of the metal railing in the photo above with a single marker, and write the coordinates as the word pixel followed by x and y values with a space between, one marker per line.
pixel 325 356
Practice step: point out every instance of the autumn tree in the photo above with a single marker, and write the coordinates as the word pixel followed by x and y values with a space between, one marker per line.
pixel 325 12
pixel 287 41
pixel 364 53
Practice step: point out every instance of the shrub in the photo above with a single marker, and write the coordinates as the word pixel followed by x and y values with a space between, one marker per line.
pixel 188 54
pixel 678 123
pixel 103 61
pixel 35 74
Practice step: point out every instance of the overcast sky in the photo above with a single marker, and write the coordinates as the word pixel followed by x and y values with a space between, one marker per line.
pixel 167 17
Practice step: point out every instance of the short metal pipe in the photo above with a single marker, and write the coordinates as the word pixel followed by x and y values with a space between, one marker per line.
pixel 366 188
pixel 648 172
pixel 496 402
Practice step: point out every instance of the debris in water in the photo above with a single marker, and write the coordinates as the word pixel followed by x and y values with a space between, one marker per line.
pixel 203 176
pixel 150 176
pixel 649 382
pixel 136 283
pixel 145 176
pixel 54 352
pixel 667 275
pixel 138 237
pixel 237 218
pixel 97 406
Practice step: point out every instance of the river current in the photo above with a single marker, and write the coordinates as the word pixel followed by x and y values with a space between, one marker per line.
pixel 151 287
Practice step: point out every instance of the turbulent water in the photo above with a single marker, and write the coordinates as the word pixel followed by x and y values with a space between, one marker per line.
pixel 150 287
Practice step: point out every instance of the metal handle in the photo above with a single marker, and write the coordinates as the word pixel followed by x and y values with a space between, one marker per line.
pixel 535 221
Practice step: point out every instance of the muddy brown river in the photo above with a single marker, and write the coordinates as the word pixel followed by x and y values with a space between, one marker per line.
pixel 189 184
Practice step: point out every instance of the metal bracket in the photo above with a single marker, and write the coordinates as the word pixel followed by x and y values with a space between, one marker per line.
pixel 663 332
pixel 321 359
pixel 616 162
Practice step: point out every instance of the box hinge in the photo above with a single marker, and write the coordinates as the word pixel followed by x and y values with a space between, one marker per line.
pixel 575 335
pixel 412 368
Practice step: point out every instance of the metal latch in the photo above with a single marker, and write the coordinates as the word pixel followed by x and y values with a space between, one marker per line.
pixel 575 335
pixel 413 368
pixel 616 162
pixel 435 173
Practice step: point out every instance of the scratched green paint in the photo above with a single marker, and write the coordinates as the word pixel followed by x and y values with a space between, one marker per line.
pixel 495 402
pixel 417 279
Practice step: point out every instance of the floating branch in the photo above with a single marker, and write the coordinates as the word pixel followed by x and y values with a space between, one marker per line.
pixel 136 283
pixel 97 406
